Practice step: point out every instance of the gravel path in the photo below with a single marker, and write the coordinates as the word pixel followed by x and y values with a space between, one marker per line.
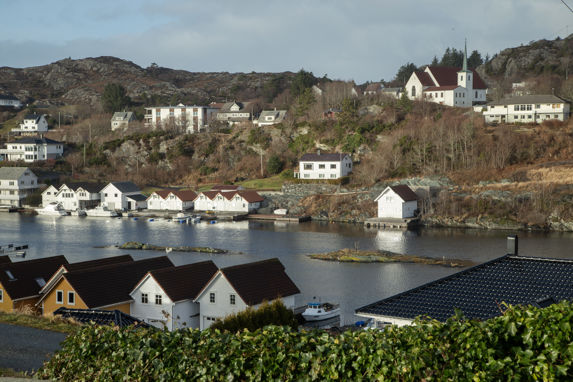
pixel 26 349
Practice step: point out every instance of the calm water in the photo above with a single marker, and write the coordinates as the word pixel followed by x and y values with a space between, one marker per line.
pixel 351 285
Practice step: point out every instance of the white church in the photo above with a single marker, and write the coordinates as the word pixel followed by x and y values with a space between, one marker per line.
pixel 447 86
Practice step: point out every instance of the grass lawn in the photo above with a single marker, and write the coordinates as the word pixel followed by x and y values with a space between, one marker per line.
pixel 272 183
pixel 54 324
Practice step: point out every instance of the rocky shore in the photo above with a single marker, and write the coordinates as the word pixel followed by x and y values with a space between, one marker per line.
pixel 134 245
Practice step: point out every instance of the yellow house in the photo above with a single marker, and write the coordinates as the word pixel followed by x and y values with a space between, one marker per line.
pixel 105 287
pixel 21 282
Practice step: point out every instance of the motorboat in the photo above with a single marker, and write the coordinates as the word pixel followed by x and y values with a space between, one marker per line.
pixel 52 209
pixel 316 311
pixel 101 211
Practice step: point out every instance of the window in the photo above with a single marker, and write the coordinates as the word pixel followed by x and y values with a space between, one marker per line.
pixel 307 175
pixel 115 195
pixel 144 298
pixel 516 107
pixel 308 166
pixel 413 91
pixel 515 117
pixel 321 166
pixel 212 298
pixel 232 299
pixel 71 298
pixel 59 297
pixel 476 94
pixel 442 94
pixel 333 176
pixel 556 116
pixel 40 281
pixel 528 107
pixel 333 166
pixel 537 106
pixel 461 78
pixel 158 299
pixel 10 275
pixel 321 175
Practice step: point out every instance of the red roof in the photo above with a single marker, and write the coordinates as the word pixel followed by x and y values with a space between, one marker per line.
pixel 438 88
pixel 404 192
pixel 448 76
pixel 163 193
pixel 424 78
pixel 209 194
pixel 186 195
pixel 251 196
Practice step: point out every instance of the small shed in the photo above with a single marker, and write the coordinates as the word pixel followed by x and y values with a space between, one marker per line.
pixel 397 202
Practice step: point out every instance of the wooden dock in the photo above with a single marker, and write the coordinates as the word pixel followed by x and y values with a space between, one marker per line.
pixel 279 218
pixel 406 223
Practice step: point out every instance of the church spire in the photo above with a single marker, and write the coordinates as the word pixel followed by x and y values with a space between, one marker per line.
pixel 465 67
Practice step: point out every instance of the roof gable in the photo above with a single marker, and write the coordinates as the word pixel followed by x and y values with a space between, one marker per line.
pixel 13 173
pixel 260 281
pixel 111 284
pixel 323 157
pixel 448 76
pixel 477 291
pixel 123 187
pixel 424 79
pixel 184 282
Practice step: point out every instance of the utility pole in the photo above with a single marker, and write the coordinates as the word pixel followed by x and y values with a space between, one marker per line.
pixel 59 119
pixel 84 155
pixel 262 175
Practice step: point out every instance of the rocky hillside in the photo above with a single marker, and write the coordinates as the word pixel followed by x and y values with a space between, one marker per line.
pixel 82 81
pixel 536 58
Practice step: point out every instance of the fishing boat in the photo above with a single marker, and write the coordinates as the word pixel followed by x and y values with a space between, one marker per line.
pixel 316 311
pixel 101 211
pixel 52 209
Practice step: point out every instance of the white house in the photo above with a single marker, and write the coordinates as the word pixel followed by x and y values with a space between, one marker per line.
pixel 122 119
pixel 115 196
pixel 192 119
pixel 74 196
pixel 235 112
pixel 235 288
pixel 397 202
pixel 527 109
pixel 16 183
pixel 32 124
pixel 7 100
pixel 447 86
pixel 166 297
pixel 271 117
pixel 228 201
pixel 373 88
pixel 31 149
pixel 324 166
pixel 171 200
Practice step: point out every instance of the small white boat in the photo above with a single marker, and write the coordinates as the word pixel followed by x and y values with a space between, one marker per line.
pixel 316 311
pixel 52 209
pixel 101 211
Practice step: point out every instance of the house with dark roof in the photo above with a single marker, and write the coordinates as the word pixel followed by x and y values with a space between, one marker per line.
pixel 373 88
pixel 165 298
pixel 32 149
pixel 73 196
pixel 270 117
pixel 32 124
pixel 7 100
pixel 21 282
pixel 115 195
pixel 171 200
pixel 449 86
pixel 104 287
pixel 397 202
pixel 479 292
pixel 16 183
pixel 235 112
pixel 324 166
pixel 534 108
pixel 229 201
pixel 233 289
pixel 122 119
pixel 100 317
pixel 5 259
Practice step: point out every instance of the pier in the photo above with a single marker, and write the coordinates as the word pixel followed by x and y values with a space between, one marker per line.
pixel 280 218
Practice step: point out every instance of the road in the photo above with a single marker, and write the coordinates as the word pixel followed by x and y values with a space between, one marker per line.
pixel 26 349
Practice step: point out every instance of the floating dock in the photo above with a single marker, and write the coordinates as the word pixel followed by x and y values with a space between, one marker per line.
pixel 279 218
pixel 392 223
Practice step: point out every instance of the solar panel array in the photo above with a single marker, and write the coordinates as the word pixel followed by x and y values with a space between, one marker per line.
pixel 479 291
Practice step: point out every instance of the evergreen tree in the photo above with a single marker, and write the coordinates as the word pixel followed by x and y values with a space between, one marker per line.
pixel 301 81
pixel 114 98
pixel 405 72
pixel 474 60
pixel 435 61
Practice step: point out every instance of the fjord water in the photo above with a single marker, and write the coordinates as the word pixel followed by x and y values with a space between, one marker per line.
pixel 351 285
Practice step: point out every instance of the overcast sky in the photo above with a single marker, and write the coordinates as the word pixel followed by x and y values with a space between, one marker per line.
pixel 361 40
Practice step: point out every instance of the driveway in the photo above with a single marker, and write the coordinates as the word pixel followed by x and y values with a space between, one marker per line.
pixel 26 349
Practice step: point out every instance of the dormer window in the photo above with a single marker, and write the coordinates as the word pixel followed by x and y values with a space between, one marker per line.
pixel 40 281
pixel 10 275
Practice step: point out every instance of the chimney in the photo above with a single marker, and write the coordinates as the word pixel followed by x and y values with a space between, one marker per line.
pixel 512 245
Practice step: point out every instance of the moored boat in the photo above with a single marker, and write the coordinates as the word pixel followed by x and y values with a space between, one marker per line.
pixel 316 311
pixel 52 209
pixel 101 211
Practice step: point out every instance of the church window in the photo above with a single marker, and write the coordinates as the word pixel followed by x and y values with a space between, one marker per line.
pixel 476 94
pixel 413 91
pixel 442 94
pixel 461 78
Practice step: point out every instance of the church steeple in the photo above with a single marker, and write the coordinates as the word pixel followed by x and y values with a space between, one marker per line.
pixel 465 66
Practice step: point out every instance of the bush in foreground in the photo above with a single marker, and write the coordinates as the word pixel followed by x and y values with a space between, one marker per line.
pixel 523 344
pixel 274 313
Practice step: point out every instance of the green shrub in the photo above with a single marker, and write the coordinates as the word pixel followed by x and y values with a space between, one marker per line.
pixel 523 344
pixel 275 164
pixel 206 170
pixel 274 313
